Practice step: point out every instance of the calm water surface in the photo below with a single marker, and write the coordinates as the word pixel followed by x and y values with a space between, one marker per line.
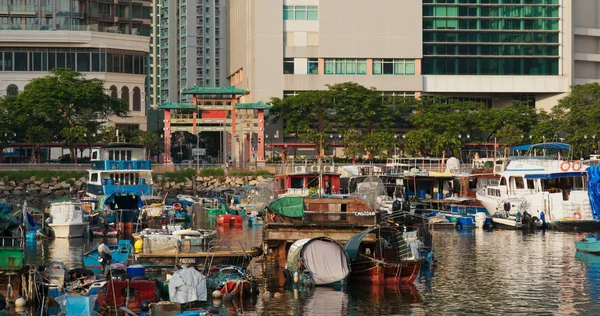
pixel 478 272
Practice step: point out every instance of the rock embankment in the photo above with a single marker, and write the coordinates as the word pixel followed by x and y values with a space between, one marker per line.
pixel 39 191
pixel 205 184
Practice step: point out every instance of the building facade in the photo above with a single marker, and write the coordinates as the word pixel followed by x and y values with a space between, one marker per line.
pixel 108 41
pixel 491 51
pixel 191 47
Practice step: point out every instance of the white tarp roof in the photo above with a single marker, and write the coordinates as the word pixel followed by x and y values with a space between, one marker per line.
pixel 187 285
pixel 325 259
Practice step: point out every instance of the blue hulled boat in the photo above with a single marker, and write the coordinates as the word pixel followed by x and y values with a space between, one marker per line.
pixel 119 253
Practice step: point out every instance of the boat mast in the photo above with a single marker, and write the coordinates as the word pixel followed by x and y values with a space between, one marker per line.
pixel 321 151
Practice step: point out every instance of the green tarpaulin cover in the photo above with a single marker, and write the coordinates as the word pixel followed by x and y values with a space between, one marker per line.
pixel 290 206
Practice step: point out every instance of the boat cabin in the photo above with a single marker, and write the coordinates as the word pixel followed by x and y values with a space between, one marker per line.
pixel 118 165
pixel 305 180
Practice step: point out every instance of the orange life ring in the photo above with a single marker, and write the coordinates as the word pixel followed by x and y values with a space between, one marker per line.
pixel 177 206
pixel 565 165
pixel 577 215
pixel 576 166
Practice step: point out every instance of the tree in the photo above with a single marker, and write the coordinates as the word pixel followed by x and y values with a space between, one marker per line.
pixel 510 135
pixel 151 140
pixel 65 103
pixel 352 142
pixel 307 115
pixel 578 115
pixel 378 143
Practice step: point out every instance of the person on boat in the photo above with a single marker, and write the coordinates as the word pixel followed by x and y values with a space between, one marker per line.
pixel 518 215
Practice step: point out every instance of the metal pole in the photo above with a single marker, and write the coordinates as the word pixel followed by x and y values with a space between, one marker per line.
pixel 197 156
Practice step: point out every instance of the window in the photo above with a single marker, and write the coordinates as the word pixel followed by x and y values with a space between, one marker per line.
pixel 345 66
pixel 114 92
pixel 137 99
pixel 12 89
pixel 313 66
pixel 83 62
pixel 288 66
pixel 393 67
pixel 20 61
pixel 301 13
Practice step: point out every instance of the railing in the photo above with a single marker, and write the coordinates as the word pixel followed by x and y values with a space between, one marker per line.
pixel 11 242
pixel 122 165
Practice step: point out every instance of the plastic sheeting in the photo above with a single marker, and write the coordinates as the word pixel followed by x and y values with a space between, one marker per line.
pixel 594 190
pixel 325 259
pixel 187 285
pixel 288 206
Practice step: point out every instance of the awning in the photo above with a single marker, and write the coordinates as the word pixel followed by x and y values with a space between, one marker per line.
pixel 553 146
pixel 289 206
pixel 555 175
pixel 354 242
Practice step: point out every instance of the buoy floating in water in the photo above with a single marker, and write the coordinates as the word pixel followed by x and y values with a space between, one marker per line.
pixel 276 295
pixel 217 294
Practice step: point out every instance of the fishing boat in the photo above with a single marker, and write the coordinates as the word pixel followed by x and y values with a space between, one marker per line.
pixel 129 294
pixel 318 261
pixel 391 257
pixel 544 182
pixel 12 246
pixel 588 244
pixel 66 219
pixel 120 167
pixel 119 253
pixel 306 179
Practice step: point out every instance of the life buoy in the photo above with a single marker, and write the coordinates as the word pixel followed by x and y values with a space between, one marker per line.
pixel 577 215
pixel 565 165
pixel 576 166
pixel 177 206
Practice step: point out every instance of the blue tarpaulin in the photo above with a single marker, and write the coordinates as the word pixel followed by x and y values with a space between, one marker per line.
pixel 594 190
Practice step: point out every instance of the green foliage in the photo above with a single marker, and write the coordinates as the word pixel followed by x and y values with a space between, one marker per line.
pixel 352 142
pixel 214 172
pixel 510 135
pixel 262 173
pixel 64 104
pixel 379 143
pixel 151 140
pixel 42 175
pixel 180 175
pixel 578 115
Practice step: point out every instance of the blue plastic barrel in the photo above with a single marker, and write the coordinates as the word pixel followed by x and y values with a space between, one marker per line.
pixel 142 181
pixel 421 194
pixel 439 196
pixel 410 193
pixel 104 181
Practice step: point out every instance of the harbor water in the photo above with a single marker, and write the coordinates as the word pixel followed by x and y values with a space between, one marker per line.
pixel 483 272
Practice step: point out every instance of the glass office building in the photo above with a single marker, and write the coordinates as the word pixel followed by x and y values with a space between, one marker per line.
pixel 491 37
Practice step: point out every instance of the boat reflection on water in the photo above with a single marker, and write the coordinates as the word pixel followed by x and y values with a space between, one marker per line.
pixel 592 266
pixel 384 299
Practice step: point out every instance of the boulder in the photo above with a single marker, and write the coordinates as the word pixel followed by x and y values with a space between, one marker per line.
pixel 252 182
pixel 64 185
pixel 26 181
pixel 20 188
pixel 18 192
pixel 45 192
pixel 12 183
pixel 44 185
pixel 78 183
pixel 37 182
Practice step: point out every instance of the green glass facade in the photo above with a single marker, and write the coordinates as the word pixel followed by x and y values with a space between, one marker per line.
pixel 491 37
